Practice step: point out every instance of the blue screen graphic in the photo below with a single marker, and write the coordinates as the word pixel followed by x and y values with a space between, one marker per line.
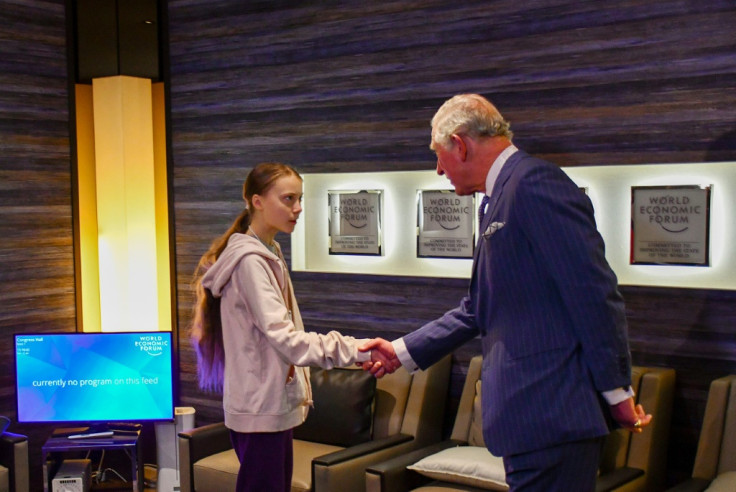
pixel 94 377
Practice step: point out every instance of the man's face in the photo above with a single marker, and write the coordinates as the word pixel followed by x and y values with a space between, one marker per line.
pixel 451 165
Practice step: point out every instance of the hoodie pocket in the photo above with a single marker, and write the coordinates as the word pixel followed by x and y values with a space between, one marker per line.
pixel 296 392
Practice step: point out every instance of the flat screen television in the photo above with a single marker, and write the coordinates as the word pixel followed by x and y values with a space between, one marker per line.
pixel 94 378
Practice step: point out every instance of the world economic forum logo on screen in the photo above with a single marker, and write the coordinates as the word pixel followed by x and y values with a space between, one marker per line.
pixel 153 345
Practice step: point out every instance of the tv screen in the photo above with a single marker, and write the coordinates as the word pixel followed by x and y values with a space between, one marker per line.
pixel 94 377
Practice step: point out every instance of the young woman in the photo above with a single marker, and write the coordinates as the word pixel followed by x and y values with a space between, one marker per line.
pixel 249 336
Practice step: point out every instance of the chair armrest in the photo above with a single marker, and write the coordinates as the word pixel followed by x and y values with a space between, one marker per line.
pixel 206 440
pixel 198 443
pixel 14 456
pixel 393 476
pixel 691 485
pixel 617 478
pixel 345 469
pixel 368 447
pixel 8 440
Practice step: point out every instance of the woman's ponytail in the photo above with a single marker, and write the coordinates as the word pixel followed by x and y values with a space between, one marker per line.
pixel 206 328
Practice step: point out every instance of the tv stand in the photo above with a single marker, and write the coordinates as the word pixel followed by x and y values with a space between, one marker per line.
pixel 61 443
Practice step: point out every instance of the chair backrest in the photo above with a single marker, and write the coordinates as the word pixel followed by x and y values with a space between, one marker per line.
pixel 717 443
pixel 412 404
pixel 646 451
pixel 469 419
pixel 14 456
pixel 392 395
pixel 616 448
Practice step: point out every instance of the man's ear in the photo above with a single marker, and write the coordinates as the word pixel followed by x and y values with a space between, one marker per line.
pixel 460 146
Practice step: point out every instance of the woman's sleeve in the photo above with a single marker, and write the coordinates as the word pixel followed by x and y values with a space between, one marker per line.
pixel 259 294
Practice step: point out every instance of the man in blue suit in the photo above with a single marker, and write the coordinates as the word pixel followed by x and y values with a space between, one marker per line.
pixel 556 363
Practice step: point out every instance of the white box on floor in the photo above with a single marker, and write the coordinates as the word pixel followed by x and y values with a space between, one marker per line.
pixel 167 448
pixel 72 476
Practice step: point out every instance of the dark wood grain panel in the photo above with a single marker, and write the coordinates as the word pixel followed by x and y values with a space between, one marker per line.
pixel 36 245
pixel 367 97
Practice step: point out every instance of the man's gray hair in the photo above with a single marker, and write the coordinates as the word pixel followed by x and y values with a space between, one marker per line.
pixel 468 114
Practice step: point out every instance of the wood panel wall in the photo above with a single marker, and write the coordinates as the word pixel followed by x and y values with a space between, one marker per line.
pixel 36 250
pixel 351 86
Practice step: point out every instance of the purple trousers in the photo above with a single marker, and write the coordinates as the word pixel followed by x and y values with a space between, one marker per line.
pixel 266 460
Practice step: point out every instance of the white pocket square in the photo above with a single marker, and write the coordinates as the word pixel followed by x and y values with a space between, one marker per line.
pixel 495 226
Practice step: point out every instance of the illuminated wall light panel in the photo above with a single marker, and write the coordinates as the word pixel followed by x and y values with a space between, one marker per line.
pixel 609 188
pixel 122 218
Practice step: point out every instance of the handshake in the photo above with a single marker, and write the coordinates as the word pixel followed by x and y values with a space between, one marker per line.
pixel 383 357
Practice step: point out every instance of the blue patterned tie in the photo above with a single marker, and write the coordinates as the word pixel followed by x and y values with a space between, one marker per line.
pixel 482 208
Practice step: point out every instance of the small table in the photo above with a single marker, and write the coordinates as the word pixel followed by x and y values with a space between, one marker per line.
pixel 128 442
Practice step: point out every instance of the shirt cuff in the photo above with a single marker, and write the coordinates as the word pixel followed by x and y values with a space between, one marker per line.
pixel 616 396
pixel 362 356
pixel 403 354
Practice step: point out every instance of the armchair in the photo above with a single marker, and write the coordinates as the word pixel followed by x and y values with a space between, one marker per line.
pixel 14 475
pixel 629 462
pixel 434 465
pixel 715 460
pixel 406 413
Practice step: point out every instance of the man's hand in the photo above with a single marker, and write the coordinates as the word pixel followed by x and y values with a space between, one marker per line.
pixel 383 357
pixel 629 416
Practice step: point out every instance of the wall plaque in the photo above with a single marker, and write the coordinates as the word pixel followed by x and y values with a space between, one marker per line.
pixel 670 225
pixel 355 222
pixel 444 224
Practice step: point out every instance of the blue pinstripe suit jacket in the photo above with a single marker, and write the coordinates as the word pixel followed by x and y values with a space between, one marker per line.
pixel 546 305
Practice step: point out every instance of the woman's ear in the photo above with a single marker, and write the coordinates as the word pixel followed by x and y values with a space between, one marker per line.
pixel 257 202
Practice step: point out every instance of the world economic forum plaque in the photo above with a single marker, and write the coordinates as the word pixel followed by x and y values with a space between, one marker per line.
pixel 355 222
pixel 670 225
pixel 444 224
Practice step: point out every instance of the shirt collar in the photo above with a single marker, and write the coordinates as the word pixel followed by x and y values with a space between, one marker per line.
pixel 496 167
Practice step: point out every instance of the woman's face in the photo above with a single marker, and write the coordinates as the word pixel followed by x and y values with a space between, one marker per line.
pixel 281 205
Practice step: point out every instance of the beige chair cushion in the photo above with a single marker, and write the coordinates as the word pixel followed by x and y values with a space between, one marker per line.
pixel 392 395
pixel 304 453
pixel 475 435
pixel 727 459
pixel 219 472
pixel 216 472
pixel 718 429
pixel 725 482
pixel 465 465
pixel 4 479
pixel 616 445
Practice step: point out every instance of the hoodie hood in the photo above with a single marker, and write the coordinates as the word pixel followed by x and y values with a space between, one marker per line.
pixel 239 246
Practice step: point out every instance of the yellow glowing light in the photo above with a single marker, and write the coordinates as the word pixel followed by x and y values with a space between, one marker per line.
pixel 126 244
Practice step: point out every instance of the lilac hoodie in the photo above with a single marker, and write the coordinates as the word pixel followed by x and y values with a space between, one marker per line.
pixel 263 339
